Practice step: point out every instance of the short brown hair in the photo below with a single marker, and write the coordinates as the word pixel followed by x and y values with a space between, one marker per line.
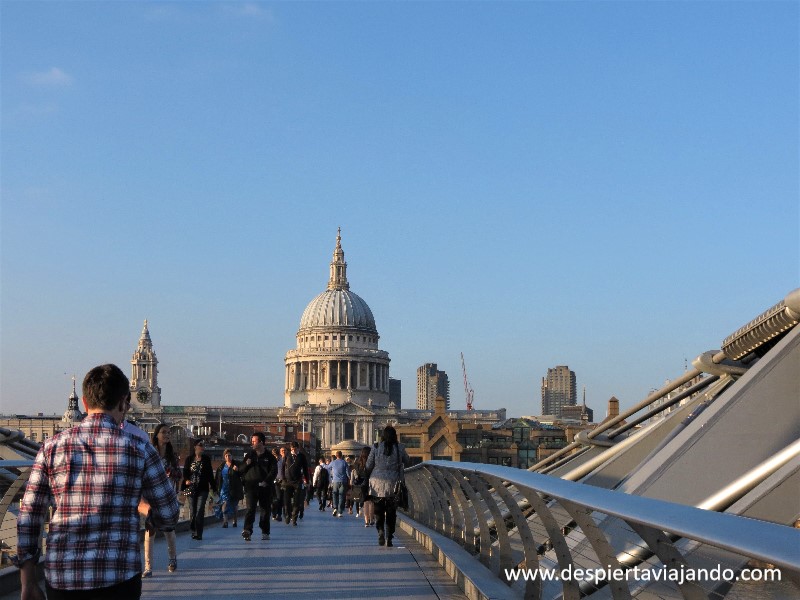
pixel 105 386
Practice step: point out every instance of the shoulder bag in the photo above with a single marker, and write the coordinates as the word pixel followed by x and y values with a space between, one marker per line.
pixel 400 489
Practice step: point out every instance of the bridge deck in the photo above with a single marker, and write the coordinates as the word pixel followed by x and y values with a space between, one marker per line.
pixel 322 558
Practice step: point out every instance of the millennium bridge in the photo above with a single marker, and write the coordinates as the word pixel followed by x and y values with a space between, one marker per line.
pixel 692 493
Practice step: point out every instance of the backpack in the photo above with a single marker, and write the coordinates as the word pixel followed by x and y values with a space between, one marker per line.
pixel 323 478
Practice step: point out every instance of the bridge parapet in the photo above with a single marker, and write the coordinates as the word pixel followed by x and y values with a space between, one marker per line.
pixel 510 519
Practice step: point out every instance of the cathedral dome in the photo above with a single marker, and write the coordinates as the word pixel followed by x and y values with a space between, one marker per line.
pixel 337 360
pixel 338 308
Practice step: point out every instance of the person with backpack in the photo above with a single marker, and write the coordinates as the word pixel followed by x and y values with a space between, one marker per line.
pixel 258 471
pixel 320 483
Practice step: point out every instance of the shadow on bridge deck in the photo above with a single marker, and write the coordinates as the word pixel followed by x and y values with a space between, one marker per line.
pixel 322 558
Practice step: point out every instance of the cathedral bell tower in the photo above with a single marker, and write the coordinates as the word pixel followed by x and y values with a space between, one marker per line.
pixel 145 393
pixel 73 416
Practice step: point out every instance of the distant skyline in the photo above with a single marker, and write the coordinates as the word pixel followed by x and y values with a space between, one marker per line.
pixel 610 186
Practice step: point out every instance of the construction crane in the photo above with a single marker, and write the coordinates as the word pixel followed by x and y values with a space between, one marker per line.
pixel 467 387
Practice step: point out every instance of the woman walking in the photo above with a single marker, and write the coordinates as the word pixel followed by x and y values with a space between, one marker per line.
pixel 385 468
pixel 169 459
pixel 229 486
pixel 198 476
pixel 360 481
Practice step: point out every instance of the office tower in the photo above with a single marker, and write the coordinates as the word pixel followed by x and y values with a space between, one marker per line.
pixel 431 382
pixel 395 389
pixel 558 390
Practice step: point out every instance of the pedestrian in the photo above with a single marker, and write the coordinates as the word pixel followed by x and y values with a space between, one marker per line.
pixel 198 480
pixel 295 474
pixel 340 474
pixel 309 487
pixel 169 461
pixel 320 483
pixel 258 474
pixel 329 493
pixel 359 484
pixel 277 502
pixel 385 468
pixel 349 501
pixel 98 480
pixel 230 488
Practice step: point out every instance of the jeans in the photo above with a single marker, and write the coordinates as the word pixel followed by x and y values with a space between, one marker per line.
pixel 339 495
pixel 148 547
pixel 197 512
pixel 260 495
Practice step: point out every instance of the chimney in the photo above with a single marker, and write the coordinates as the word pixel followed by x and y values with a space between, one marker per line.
pixel 613 407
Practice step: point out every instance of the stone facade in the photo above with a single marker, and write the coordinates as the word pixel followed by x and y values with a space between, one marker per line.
pixel 337 358
pixel 145 393
pixel 337 386
pixel 518 443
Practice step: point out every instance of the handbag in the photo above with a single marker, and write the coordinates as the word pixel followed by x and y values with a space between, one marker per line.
pixel 400 490
pixel 401 495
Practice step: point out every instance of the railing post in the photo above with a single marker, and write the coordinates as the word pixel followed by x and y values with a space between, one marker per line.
pixel 560 547
pixel 533 588
pixel 668 554
pixel 503 557
pixel 606 554
pixel 441 483
pixel 483 526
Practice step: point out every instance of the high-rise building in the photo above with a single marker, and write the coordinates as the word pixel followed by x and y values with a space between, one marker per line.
pixel 395 392
pixel 558 390
pixel 431 382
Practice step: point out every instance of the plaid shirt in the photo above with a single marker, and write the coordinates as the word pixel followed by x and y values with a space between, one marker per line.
pixel 93 475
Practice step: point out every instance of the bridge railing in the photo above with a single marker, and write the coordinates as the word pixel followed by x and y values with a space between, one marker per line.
pixel 511 520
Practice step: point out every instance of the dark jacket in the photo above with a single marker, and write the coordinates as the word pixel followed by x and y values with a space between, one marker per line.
pixel 234 481
pixel 261 468
pixel 295 468
pixel 206 478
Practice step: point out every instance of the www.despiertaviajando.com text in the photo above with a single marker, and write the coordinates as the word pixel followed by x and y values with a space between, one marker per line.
pixel 678 576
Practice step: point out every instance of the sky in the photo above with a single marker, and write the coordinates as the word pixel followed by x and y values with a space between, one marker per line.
pixel 612 186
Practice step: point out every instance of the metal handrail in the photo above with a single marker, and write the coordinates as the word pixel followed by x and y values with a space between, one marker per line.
pixel 466 493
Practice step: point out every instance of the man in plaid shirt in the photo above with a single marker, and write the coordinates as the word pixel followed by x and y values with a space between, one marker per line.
pixel 98 479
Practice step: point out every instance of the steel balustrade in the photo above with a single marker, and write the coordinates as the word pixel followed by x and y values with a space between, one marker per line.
pixel 510 518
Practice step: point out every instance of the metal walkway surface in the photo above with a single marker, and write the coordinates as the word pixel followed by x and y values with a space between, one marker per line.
pixel 322 558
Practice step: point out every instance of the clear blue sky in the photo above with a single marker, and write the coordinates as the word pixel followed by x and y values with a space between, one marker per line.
pixel 611 185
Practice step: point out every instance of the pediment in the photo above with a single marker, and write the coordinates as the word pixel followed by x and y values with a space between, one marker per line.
pixel 444 439
pixel 439 422
pixel 350 409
